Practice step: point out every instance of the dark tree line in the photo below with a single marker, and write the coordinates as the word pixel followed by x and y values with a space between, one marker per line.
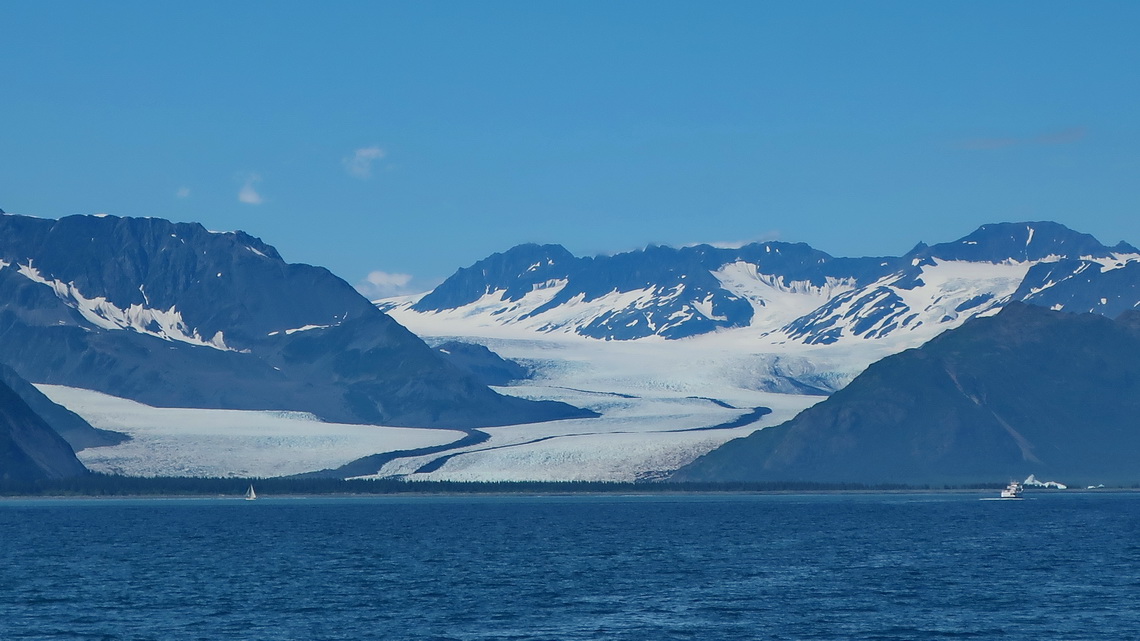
pixel 111 485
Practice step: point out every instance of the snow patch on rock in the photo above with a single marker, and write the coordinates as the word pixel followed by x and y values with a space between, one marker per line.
pixel 100 312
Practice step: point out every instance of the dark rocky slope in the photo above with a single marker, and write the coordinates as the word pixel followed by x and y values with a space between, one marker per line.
pixel 29 448
pixel 1027 391
pixel 78 433
pixel 487 366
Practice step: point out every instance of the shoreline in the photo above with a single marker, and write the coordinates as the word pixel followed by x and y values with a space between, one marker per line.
pixel 504 492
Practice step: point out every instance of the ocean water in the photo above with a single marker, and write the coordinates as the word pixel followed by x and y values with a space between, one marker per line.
pixel 898 566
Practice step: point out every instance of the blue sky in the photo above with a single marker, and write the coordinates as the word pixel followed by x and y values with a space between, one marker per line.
pixel 409 139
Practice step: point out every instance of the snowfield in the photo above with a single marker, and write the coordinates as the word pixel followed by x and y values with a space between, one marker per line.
pixel 197 442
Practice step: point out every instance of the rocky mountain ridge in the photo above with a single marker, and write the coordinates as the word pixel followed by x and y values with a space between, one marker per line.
pixel 787 292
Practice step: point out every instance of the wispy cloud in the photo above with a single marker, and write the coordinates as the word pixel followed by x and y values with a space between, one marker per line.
pixel 183 192
pixel 380 284
pixel 737 244
pixel 248 193
pixel 1063 137
pixel 985 144
pixel 1060 137
pixel 359 164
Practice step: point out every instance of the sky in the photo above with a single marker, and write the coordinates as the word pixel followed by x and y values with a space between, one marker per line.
pixel 394 142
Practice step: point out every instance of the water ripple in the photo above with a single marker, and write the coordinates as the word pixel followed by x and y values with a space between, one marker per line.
pixel 569 568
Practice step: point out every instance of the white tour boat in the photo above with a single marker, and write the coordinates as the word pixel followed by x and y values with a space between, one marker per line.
pixel 1012 491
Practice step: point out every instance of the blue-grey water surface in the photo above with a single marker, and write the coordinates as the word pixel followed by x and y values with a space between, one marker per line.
pixel 894 566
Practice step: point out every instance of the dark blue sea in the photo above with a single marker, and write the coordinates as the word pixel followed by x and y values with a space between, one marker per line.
pixel 893 566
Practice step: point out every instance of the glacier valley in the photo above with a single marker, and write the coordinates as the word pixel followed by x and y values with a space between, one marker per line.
pixel 677 350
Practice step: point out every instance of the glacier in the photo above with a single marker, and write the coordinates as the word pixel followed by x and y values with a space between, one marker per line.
pixel 198 442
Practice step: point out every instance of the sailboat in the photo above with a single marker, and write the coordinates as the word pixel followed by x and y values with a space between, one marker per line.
pixel 250 495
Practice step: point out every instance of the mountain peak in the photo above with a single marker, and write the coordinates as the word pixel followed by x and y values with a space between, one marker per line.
pixel 516 270
pixel 918 248
pixel 550 250
pixel 1018 241
pixel 1125 248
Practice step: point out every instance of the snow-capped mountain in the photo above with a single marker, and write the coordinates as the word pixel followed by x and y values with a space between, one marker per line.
pixel 659 291
pixel 785 292
pixel 174 281
pixel 173 315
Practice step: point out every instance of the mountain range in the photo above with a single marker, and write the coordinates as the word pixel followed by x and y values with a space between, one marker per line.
pixel 657 356
pixel 789 292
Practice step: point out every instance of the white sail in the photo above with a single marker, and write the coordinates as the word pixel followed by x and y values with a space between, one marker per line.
pixel 250 494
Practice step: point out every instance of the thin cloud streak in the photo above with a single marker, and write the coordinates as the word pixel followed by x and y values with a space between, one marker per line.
pixel 987 144
pixel 737 244
pixel 1061 137
pixel 359 164
pixel 249 194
